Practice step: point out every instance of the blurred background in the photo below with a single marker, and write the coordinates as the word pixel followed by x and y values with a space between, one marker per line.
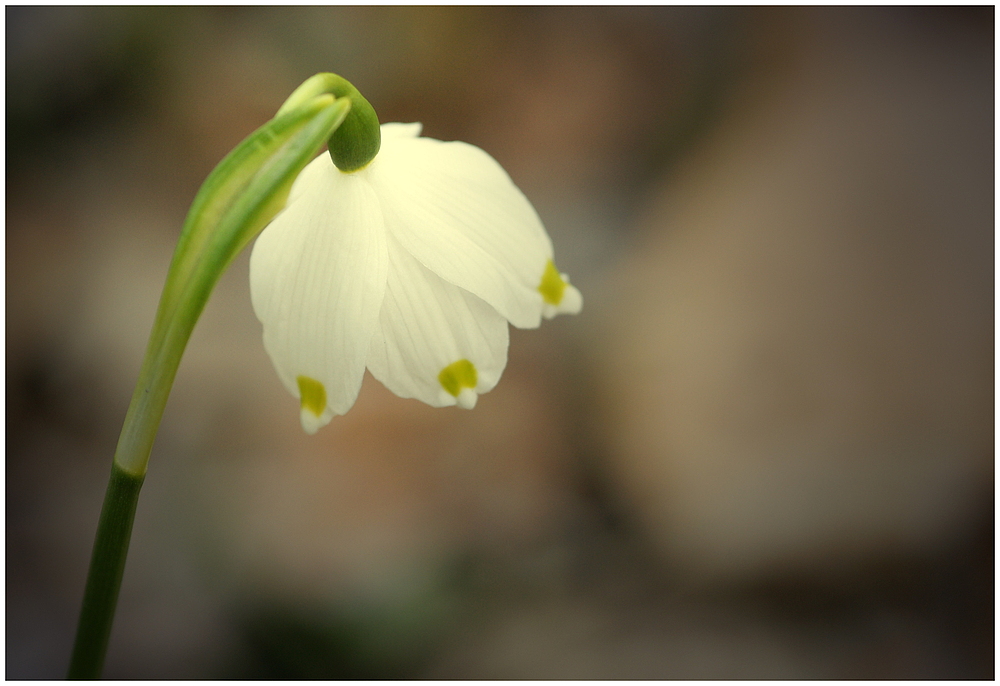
pixel 763 450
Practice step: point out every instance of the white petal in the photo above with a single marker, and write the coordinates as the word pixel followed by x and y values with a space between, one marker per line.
pixel 455 209
pixel 428 325
pixel 312 177
pixel 317 279
pixel 397 130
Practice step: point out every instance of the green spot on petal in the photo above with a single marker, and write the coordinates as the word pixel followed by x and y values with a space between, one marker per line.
pixel 552 286
pixel 458 375
pixel 313 395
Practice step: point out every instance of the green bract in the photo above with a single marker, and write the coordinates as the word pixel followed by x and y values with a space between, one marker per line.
pixel 237 200
pixel 355 142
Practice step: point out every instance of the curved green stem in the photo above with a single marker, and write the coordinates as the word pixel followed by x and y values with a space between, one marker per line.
pixel 236 201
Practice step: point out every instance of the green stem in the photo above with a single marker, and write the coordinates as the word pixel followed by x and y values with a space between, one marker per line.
pixel 105 577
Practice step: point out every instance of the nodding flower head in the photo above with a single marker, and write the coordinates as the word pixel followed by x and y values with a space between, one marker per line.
pixel 411 265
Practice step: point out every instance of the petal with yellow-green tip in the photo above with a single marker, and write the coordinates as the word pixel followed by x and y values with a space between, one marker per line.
pixel 317 281
pixel 435 342
pixel 456 210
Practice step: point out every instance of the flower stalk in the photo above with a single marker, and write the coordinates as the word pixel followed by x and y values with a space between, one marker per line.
pixel 237 200
pixel 107 565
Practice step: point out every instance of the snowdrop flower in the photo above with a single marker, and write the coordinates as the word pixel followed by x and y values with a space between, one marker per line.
pixel 411 267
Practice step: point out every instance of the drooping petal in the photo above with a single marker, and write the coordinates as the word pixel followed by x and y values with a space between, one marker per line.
pixel 435 342
pixel 456 210
pixel 317 279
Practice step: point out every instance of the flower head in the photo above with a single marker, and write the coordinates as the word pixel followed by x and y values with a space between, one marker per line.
pixel 410 267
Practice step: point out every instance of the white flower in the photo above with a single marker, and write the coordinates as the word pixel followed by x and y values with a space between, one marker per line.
pixel 411 267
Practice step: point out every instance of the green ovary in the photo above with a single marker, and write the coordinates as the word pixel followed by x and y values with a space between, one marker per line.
pixel 458 375
pixel 313 395
pixel 552 286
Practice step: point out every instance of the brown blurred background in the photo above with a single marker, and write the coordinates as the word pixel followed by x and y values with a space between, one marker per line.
pixel 763 450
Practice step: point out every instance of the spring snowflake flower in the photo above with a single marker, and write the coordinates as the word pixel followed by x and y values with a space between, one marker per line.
pixel 411 266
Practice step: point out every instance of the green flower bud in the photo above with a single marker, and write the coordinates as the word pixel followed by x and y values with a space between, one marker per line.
pixel 357 140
